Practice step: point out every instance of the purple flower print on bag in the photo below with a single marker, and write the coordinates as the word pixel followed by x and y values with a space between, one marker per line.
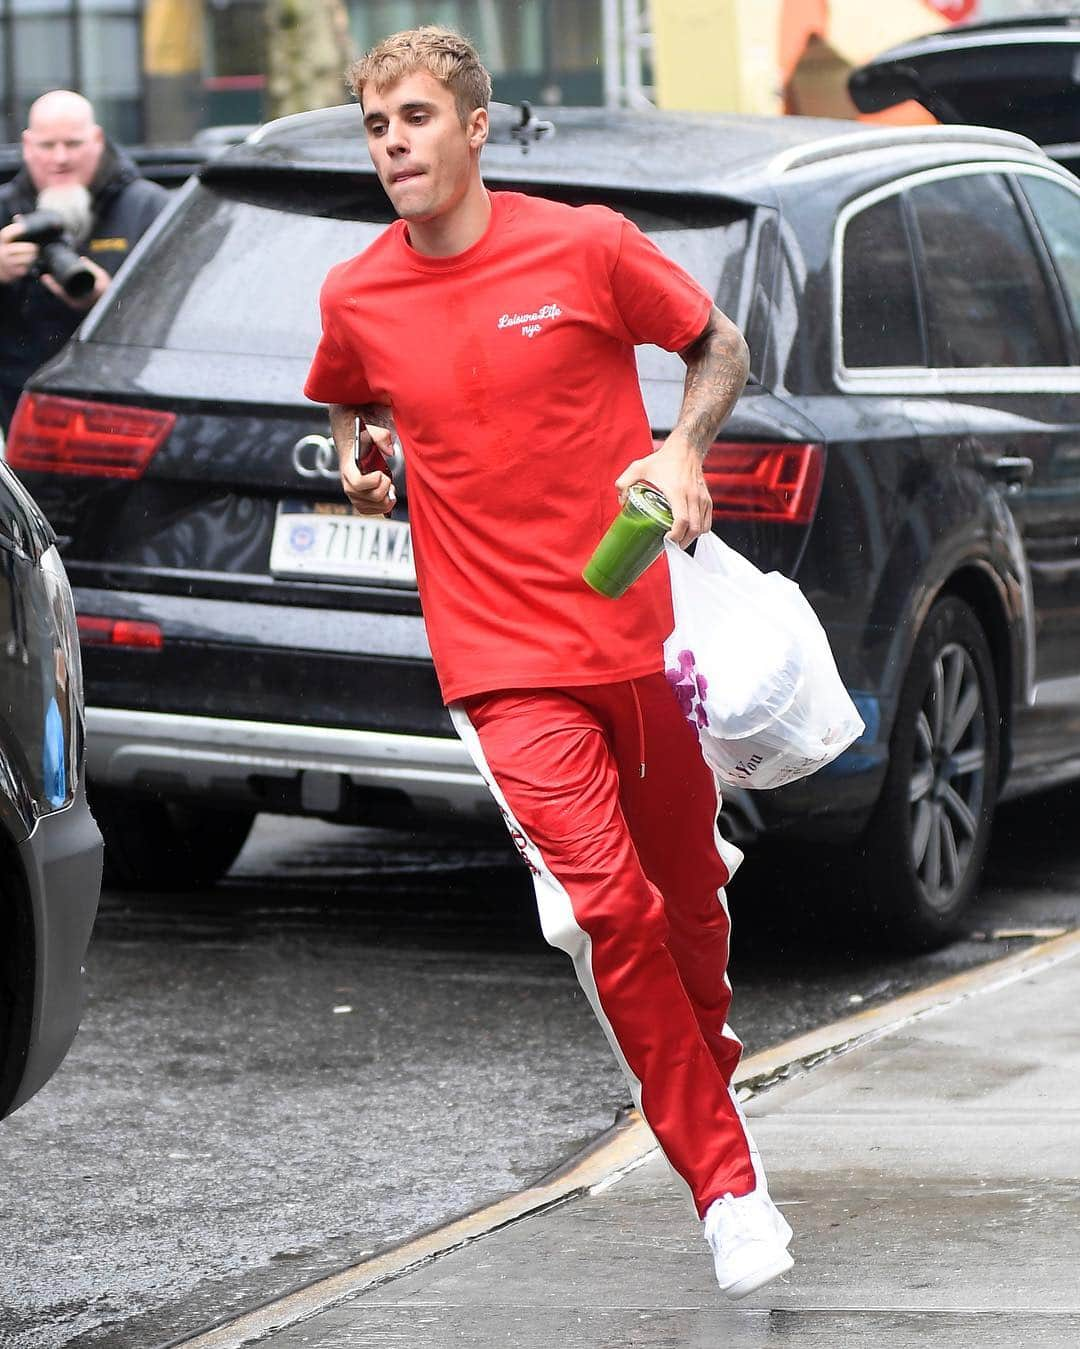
pixel 690 688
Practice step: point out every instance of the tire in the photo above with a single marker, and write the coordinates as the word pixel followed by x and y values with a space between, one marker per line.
pixel 152 844
pixel 17 975
pixel 924 848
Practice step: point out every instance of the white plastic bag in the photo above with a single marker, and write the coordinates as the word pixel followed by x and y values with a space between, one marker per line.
pixel 752 668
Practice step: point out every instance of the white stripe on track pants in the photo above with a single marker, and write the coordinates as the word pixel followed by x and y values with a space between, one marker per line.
pixel 629 882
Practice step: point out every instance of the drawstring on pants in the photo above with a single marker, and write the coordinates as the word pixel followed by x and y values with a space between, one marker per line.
pixel 640 727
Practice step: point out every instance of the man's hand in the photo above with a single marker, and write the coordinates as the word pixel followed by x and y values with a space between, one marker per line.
pixel 370 493
pixel 84 302
pixel 675 468
pixel 16 257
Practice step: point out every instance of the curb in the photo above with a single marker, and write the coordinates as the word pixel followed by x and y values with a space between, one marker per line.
pixel 627 1145
pixel 805 1052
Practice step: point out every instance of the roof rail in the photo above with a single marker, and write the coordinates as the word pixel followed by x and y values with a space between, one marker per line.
pixel 853 142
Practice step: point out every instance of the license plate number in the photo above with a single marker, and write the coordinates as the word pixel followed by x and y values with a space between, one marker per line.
pixel 310 542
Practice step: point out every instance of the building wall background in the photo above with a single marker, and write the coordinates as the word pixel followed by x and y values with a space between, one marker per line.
pixel 93 46
pixel 158 70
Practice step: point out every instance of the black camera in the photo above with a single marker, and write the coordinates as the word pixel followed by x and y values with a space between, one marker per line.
pixel 58 257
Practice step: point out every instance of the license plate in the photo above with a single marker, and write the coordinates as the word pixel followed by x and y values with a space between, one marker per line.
pixel 322 540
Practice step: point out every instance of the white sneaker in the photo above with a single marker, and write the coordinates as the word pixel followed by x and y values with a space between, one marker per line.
pixel 748 1241
pixel 783 1230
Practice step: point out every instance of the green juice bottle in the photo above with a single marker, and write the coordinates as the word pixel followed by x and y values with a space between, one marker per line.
pixel 634 540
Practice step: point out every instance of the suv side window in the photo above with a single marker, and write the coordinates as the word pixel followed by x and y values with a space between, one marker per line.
pixel 880 313
pixel 987 301
pixel 1058 213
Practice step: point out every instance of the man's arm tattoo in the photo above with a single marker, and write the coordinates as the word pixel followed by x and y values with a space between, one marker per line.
pixel 717 364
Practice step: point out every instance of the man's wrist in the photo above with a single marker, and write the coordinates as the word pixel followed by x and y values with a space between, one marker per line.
pixel 682 443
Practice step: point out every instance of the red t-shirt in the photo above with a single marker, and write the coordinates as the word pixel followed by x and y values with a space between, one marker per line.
pixel 510 370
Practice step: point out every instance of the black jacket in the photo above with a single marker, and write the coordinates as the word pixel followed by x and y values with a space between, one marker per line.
pixel 34 324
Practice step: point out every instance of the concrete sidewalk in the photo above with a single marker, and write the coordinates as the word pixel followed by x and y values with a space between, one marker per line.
pixel 931 1171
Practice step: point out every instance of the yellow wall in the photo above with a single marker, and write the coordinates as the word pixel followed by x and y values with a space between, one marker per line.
pixel 716 55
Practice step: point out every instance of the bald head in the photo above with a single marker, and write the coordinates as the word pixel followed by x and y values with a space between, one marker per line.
pixel 60 103
pixel 62 144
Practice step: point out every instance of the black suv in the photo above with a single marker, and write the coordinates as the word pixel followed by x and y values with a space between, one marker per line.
pixel 50 850
pixel 908 448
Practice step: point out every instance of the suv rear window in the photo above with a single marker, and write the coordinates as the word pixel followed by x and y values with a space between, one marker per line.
pixel 240 274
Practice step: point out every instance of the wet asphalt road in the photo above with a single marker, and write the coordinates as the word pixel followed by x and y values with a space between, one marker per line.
pixel 356 1037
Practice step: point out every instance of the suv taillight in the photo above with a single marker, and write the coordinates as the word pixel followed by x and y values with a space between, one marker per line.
pixel 778 482
pixel 68 435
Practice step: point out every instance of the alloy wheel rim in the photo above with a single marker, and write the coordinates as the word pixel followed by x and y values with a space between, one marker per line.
pixel 948 775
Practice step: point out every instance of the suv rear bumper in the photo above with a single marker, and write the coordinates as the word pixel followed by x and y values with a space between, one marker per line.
pixel 61 862
pixel 221 759
pixel 312 769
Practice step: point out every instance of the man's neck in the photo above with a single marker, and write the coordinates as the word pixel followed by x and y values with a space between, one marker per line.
pixel 458 229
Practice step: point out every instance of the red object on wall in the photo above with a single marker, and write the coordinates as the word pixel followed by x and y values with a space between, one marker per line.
pixel 956 11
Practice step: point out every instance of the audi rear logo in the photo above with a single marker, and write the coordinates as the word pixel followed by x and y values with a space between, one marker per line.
pixel 315 457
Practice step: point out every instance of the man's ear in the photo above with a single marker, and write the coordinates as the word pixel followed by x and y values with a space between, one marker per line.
pixel 478 127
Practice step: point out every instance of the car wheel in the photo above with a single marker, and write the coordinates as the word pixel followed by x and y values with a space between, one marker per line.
pixel 151 844
pixel 925 845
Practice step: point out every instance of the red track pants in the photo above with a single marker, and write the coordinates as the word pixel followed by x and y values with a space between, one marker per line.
pixel 612 808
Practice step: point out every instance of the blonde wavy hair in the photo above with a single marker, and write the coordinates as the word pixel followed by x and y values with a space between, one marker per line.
pixel 444 54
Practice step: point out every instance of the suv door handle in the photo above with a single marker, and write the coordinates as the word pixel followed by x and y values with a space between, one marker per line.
pixel 1014 470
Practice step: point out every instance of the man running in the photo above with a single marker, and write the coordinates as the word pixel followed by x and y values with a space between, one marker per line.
pixel 495 333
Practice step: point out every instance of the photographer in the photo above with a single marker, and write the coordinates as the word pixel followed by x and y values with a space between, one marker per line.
pixel 99 207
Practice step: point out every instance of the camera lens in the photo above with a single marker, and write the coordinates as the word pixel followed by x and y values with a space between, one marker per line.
pixel 68 268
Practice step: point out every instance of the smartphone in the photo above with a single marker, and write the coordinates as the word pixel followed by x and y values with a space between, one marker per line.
pixel 372 460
